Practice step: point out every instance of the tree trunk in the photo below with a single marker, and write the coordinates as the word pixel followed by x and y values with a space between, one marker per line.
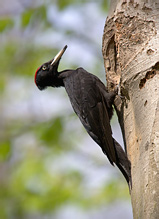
pixel 131 56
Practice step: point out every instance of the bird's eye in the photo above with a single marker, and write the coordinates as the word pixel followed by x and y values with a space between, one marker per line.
pixel 44 68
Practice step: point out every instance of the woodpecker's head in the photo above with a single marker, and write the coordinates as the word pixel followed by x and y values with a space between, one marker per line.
pixel 46 74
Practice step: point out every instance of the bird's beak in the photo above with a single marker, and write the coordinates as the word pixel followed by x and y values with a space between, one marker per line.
pixel 58 56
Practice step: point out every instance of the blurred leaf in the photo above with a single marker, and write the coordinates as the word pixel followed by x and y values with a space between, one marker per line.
pixel 6 57
pixel 2 83
pixel 26 16
pixel 64 3
pixel 36 189
pixel 4 150
pixel 115 190
pixel 41 12
pixel 105 5
pixel 110 192
pixel 3 213
pixel 35 16
pixel 50 132
pixel 6 23
pixel 21 59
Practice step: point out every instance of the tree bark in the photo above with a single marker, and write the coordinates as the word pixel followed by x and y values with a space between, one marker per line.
pixel 131 56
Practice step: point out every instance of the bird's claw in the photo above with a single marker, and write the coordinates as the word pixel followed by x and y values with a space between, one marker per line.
pixel 118 91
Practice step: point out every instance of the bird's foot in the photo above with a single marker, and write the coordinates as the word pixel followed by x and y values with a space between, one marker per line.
pixel 118 91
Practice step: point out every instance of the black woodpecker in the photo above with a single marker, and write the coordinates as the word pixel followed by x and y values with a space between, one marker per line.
pixel 91 102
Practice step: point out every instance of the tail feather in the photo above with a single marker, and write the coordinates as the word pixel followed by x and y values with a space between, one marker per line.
pixel 123 163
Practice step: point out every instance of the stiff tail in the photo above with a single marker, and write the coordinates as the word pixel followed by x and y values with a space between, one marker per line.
pixel 123 163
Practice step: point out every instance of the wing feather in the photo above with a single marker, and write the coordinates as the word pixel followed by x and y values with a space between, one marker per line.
pixel 88 102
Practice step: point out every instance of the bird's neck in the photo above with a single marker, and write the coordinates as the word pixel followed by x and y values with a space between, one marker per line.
pixel 65 73
pixel 62 75
pixel 58 81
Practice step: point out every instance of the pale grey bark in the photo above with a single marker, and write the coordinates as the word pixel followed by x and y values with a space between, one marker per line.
pixel 131 56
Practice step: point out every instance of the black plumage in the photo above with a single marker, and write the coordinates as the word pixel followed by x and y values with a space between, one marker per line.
pixel 91 102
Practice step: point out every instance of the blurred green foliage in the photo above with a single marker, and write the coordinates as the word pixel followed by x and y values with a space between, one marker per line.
pixel 4 150
pixel 22 58
pixel 6 23
pixel 28 182
pixel 34 15
pixel 62 4
pixel 50 133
